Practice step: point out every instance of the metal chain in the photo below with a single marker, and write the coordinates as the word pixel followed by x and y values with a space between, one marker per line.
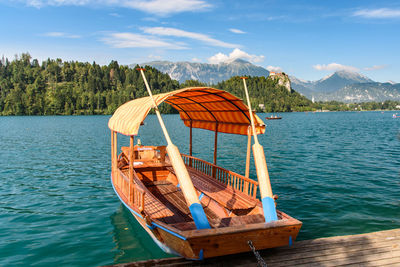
pixel 260 260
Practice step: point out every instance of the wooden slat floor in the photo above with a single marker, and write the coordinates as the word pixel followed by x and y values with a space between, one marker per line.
pixel 174 199
pixel 372 249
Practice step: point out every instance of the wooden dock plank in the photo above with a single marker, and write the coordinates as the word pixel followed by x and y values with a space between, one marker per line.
pixel 372 249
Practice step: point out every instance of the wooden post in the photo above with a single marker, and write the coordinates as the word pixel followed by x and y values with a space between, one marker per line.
pixel 116 157
pixel 248 153
pixel 131 158
pixel 112 154
pixel 191 143
pixel 215 148
pixel 215 143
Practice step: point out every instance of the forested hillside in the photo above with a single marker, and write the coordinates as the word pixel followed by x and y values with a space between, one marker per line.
pixel 266 91
pixel 56 87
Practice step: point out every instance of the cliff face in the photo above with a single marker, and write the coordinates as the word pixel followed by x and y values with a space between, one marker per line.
pixel 283 79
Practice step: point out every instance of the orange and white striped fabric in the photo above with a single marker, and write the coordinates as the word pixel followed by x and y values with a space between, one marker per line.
pixel 203 107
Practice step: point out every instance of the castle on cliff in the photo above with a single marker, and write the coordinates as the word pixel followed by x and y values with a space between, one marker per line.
pixel 283 79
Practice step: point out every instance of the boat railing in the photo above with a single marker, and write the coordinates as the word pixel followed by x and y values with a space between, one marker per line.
pixel 131 191
pixel 231 179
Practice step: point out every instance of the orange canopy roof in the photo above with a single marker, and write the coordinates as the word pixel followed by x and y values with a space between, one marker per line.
pixel 204 107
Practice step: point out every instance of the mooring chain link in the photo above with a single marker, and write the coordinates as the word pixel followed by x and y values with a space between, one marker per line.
pixel 260 260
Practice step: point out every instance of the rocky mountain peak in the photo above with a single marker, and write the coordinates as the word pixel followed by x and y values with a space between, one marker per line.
pixel 208 73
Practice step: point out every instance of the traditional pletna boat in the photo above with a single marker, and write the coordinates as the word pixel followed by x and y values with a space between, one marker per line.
pixel 191 207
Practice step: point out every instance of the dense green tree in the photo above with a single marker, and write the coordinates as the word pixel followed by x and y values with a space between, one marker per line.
pixel 55 87
pixel 266 94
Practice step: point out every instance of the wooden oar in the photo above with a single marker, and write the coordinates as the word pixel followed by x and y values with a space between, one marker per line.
pixel 262 170
pixel 192 200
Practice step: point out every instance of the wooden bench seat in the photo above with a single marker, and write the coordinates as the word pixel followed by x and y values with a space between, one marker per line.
pixel 144 160
pixel 152 153
pixel 243 220
pixel 224 222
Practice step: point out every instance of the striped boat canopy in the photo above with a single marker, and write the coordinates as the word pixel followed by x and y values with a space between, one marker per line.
pixel 199 107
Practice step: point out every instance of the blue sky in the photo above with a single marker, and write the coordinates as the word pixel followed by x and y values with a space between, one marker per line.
pixel 307 39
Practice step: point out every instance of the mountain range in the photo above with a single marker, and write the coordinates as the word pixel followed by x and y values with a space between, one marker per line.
pixel 344 86
pixel 332 82
pixel 364 92
pixel 207 73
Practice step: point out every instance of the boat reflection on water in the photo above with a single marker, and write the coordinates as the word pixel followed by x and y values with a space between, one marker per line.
pixel 132 243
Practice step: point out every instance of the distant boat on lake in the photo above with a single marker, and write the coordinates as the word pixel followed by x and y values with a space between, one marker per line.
pixel 273 118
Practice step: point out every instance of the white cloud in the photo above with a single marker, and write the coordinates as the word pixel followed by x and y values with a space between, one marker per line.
pixel 375 67
pixel 235 54
pixel 115 15
pixel 158 7
pixel 195 59
pixel 165 7
pixel 381 13
pixel 132 40
pixel 154 57
pixel 237 31
pixel 61 35
pixel 163 31
pixel 274 69
pixel 334 67
pixel 152 19
pixel 43 3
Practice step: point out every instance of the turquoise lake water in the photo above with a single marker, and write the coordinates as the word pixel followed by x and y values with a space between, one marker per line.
pixel 339 173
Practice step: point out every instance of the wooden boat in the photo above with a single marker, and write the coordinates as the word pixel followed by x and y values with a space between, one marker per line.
pixel 191 207
pixel 273 118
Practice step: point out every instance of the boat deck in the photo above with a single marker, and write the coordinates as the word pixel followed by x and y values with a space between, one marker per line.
pixel 372 249
pixel 220 192
pixel 172 197
pixel 166 201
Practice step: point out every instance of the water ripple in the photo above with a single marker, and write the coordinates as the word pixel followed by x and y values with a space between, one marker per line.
pixel 337 172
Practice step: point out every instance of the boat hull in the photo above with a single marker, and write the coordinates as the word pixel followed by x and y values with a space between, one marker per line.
pixel 216 244
pixel 208 243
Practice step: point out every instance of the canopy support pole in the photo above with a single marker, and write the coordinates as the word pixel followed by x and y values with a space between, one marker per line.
pixel 247 173
pixel 186 185
pixel 190 143
pixel 131 159
pixel 267 199
pixel 215 143
pixel 215 148
pixel 112 153
pixel 114 156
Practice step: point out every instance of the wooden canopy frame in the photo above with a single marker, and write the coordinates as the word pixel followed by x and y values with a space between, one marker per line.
pixel 199 107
